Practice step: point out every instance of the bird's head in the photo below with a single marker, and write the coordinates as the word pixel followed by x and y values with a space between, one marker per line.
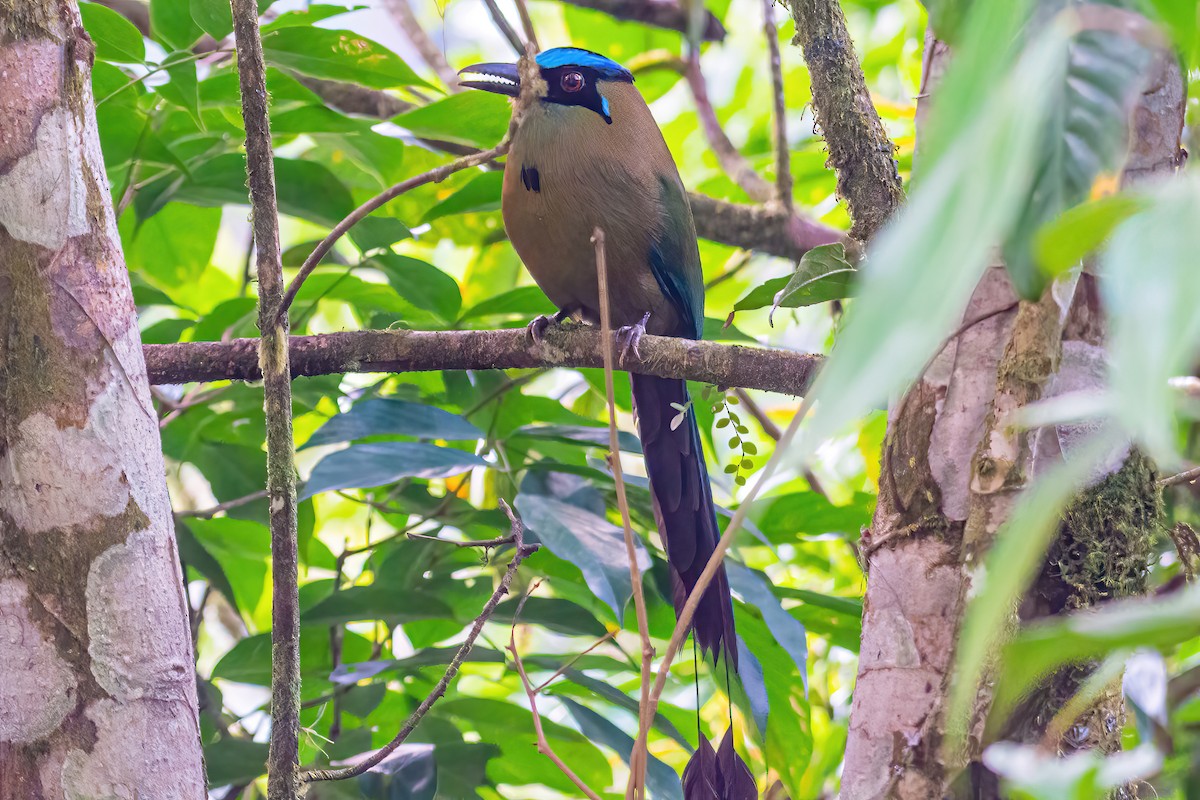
pixel 574 77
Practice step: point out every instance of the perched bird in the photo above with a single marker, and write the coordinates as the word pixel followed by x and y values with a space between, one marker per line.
pixel 589 154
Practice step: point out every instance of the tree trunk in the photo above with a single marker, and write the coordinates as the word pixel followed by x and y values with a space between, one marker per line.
pixel 937 502
pixel 97 686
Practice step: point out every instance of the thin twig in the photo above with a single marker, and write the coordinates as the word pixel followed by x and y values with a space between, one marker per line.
pixel 402 13
pixel 636 759
pixel 527 24
pixel 732 162
pixel 543 746
pixel 522 552
pixel 283 756
pixel 783 158
pixel 606 637
pixel 1189 476
pixel 683 625
pixel 532 88
pixel 503 25
pixel 485 543
pixel 212 511
pixel 773 431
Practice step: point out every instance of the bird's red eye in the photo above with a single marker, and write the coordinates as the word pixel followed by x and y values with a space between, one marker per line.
pixel 572 81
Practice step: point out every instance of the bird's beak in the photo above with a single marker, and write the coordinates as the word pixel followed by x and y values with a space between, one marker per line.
pixel 498 78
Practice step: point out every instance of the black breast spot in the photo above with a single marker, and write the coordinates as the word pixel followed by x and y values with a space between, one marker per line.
pixel 531 179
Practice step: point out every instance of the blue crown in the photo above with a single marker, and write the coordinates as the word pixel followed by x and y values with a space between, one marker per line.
pixel 578 57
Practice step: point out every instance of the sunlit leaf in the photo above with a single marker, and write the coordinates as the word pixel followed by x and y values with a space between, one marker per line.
pixel 661 780
pixel 338 56
pixel 365 465
pixel 1064 242
pixel 482 193
pixel 384 416
pixel 477 119
pixel 115 37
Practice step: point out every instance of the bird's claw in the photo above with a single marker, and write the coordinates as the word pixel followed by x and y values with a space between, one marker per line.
pixel 628 338
pixel 537 327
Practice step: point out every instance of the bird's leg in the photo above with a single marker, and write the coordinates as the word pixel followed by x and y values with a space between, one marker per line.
pixel 538 325
pixel 628 338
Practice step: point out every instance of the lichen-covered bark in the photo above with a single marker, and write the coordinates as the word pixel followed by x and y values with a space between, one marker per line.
pixel 951 469
pixel 97 692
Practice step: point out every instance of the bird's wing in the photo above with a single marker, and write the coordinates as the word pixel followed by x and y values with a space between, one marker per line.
pixel 675 258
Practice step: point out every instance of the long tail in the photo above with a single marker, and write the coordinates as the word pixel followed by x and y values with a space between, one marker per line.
pixel 683 507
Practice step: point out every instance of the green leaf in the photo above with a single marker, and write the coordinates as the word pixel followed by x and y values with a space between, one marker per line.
pixel 1066 241
pixel 566 514
pixel 580 434
pixel 234 761
pixel 661 780
pixel 927 261
pixel 366 465
pixel 183 89
pixel 378 233
pixel 553 614
pixel 1182 20
pixel 615 696
pixel 1084 139
pixel 174 246
pixel 755 589
pixel 171 23
pixel 476 119
pixel 823 274
pixel 408 774
pixel 784 519
pixel 385 416
pixel 524 301
pixel 338 56
pixel 1150 288
pixel 390 603
pixel 213 16
pixel 115 37
pixel 305 17
pixel 421 284
pixel 192 553
pixel 481 193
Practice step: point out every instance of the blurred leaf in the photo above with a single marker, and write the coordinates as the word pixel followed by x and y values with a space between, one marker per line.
pixel 1031 773
pixel 234 761
pixel 173 247
pixel 1010 564
pixel 661 780
pixel 249 660
pixel 1085 137
pixel 385 416
pixel 476 119
pixel 379 233
pixel 115 37
pixel 391 603
pixel 580 434
pixel 408 774
pixel 365 465
pixel 171 22
pixel 1182 20
pixel 193 554
pixel 615 696
pixel 351 673
pixel 524 301
pixel 482 193
pixel 567 515
pixel 338 56
pixel 310 15
pixel 785 518
pixel 1066 241
pixel 789 738
pixel 1151 304
pixel 755 588
pixel 554 614
pixel 926 262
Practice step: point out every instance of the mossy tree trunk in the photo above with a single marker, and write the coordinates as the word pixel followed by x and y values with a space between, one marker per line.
pixel 937 505
pixel 97 685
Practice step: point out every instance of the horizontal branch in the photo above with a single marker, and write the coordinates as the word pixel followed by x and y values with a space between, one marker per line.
pixel 669 14
pixel 781 371
pixel 766 229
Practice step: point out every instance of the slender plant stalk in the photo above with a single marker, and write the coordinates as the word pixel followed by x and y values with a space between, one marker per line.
pixel 282 760
pixel 637 759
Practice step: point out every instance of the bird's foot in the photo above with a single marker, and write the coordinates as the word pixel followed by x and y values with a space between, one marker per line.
pixel 541 323
pixel 628 338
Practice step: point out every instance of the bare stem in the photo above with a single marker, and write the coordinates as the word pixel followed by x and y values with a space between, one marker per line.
pixel 401 11
pixel 503 25
pixel 282 760
pixel 1190 476
pixel 783 158
pixel 522 552
pixel 637 764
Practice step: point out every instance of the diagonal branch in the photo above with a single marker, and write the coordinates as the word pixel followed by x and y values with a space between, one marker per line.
pixel 783 157
pixel 277 388
pixel 859 148
pixel 522 552
pixel 402 13
pixel 783 371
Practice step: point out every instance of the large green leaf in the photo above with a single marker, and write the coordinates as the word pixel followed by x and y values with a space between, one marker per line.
pixel 566 514
pixel 1084 138
pixel 366 465
pixel 338 56
pixel 173 247
pixel 115 37
pixel 385 416
pixel 234 761
pixel 923 267
pixel 823 274
pixel 171 23
pixel 1150 289
pixel 477 119
pixel 755 589
pixel 482 193
pixel 423 285
pixel 661 780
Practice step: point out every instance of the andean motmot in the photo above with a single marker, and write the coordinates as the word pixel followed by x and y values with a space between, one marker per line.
pixel 589 154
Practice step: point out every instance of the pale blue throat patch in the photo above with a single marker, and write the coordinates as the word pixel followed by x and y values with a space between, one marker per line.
pixel 578 57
